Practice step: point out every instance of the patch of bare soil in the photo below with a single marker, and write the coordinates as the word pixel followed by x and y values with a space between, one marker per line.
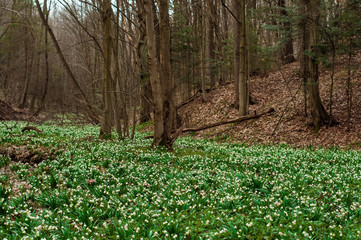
pixel 283 90
pixel 25 155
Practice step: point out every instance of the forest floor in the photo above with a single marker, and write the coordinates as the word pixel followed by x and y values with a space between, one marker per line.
pixel 64 183
pixel 282 89
pixel 60 180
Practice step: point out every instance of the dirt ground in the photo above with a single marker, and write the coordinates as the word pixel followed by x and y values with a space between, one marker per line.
pixel 283 90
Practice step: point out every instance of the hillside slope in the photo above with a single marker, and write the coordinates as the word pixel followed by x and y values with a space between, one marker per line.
pixel 283 90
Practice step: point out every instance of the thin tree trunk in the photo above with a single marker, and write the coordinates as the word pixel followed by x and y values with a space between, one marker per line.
pixel 26 71
pixel 116 78
pixel 107 117
pixel 287 54
pixel 236 48
pixel 145 94
pixel 35 90
pixel 46 58
pixel 243 88
pixel 349 88
pixel 210 46
pixel 154 76
pixel 202 53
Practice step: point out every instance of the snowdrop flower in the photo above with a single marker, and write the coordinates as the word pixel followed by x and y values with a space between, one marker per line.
pixel 249 224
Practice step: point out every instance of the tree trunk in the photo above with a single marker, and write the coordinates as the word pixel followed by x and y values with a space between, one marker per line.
pixel 236 48
pixel 145 91
pixel 318 112
pixel 46 59
pixel 169 110
pixel 210 46
pixel 243 81
pixel 202 52
pixel 154 74
pixel 106 120
pixel 26 71
pixel 287 54
pixel 116 79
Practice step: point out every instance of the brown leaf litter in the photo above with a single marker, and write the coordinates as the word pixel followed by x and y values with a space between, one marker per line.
pixel 282 89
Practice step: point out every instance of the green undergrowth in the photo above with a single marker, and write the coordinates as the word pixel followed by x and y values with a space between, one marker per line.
pixel 124 189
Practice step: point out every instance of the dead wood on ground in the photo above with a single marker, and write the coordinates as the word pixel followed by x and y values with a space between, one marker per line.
pixel 216 124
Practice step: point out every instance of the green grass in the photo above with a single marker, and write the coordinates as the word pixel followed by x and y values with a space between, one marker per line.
pixel 202 190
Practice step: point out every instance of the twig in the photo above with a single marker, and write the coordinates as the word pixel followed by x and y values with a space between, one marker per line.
pixel 284 111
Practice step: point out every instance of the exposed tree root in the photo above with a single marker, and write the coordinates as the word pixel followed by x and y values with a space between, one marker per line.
pixel 31 128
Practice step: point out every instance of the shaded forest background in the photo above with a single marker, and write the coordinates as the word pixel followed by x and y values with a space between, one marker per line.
pixel 186 63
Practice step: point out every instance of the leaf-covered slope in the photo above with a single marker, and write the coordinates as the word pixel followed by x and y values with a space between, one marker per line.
pixel 283 90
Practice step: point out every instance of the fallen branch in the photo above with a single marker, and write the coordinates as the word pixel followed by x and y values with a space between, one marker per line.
pixel 211 125
pixel 237 120
pixel 189 99
pixel 193 97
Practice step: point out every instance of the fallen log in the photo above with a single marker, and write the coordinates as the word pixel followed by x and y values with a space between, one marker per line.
pixel 236 120
pixel 211 125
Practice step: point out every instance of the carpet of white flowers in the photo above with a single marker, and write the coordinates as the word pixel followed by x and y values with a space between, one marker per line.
pixel 124 189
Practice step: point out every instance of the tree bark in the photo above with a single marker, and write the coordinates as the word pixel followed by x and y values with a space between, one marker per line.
pixel 210 46
pixel 236 48
pixel 318 112
pixel 154 74
pixel 116 79
pixel 202 52
pixel 107 116
pixel 46 59
pixel 243 74
pixel 145 91
pixel 26 71
pixel 287 54
pixel 169 110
